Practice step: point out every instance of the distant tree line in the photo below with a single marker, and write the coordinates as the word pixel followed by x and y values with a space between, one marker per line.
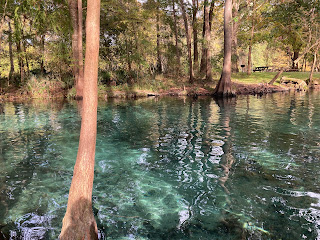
pixel 145 38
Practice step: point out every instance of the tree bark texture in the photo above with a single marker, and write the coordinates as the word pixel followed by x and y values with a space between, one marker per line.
pixel 42 51
pixel 235 54
pixel 204 46
pixel 295 56
pixel 276 77
pixel 80 52
pixel 159 64
pixel 176 37
pixel 2 21
pixel 79 222
pixel 76 44
pixel 188 36
pixel 195 4
pixel 249 68
pixel 311 82
pixel 10 51
pixel 207 39
pixel 223 88
pixel 20 60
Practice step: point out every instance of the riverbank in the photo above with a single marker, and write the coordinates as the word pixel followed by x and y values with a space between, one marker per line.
pixel 242 84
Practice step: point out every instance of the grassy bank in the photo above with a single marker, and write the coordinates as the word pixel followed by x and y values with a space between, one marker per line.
pixel 265 77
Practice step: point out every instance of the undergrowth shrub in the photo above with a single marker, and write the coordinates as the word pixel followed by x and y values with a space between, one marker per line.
pixel 43 87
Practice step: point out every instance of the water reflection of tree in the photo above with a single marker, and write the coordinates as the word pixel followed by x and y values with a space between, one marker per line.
pixel 227 108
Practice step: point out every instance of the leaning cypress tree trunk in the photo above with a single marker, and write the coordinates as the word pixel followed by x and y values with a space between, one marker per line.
pixel 223 88
pixel 186 26
pixel 276 76
pixel 79 222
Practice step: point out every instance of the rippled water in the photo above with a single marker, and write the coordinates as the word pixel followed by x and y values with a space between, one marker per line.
pixel 173 168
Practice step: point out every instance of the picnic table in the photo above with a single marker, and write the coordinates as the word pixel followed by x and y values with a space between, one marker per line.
pixel 260 69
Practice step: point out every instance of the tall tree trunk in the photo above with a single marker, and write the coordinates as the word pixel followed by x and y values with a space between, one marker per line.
pixel 223 88
pixel 207 39
pixel 2 21
pixel 235 54
pixel 204 46
pixel 159 64
pixel 176 37
pixel 42 52
pixel 80 82
pixel 311 82
pixel 20 60
pixel 295 64
pixel 79 222
pixel 204 49
pixel 26 58
pixel 73 8
pixel 186 26
pixel 249 69
pixel 195 4
pixel 10 51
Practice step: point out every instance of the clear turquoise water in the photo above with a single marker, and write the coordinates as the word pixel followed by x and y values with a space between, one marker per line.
pixel 172 168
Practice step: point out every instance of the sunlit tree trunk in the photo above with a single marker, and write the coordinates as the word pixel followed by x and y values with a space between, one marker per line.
pixel 223 88
pixel 176 37
pixel 276 76
pixel 188 36
pixel 79 222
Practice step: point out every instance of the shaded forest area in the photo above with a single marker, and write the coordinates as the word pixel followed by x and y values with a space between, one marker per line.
pixel 153 44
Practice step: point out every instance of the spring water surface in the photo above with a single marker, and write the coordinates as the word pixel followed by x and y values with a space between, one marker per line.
pixel 171 168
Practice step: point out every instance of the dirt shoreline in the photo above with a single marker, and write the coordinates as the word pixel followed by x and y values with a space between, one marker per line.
pixel 194 91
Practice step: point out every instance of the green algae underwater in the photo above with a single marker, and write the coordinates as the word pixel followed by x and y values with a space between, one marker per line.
pixel 168 168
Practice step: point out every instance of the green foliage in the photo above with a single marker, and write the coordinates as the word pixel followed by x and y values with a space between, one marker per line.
pixel 43 87
pixel 128 41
